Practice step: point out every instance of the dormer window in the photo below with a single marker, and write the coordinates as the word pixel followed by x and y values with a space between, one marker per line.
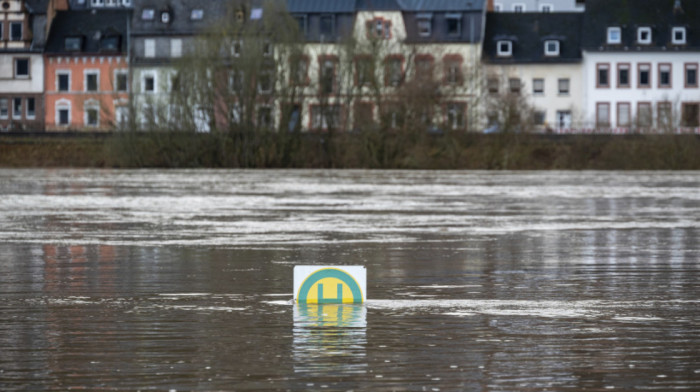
pixel 504 48
pixel 551 48
pixel 148 14
pixel 614 35
pixel 425 25
pixel 546 8
pixel 109 43
pixel 644 35
pixel 327 25
pixel 301 22
pixel 97 3
pixel 678 36
pixel 197 14
pixel 165 17
pixel 73 44
pixel 379 28
pixel 454 24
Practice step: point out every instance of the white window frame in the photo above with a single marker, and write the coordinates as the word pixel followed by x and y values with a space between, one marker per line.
pixel 611 31
pixel 60 72
pixel 455 115
pixel 236 48
pixel 681 41
pixel 97 3
pixel 554 52
pixel 126 3
pixel 26 109
pixel 538 90
pixel 640 32
pixel 498 7
pixel 197 14
pixel 88 72
pixel 504 53
pixel 149 48
pixel 546 7
pixel 63 104
pixel 16 115
pixel 7 107
pixel 145 75
pixel 568 86
pixel 121 114
pixel 118 72
pixel 175 47
pixel 148 14
pixel 424 23
pixel 29 68
pixel 21 31
pixel 91 105
pixel 519 7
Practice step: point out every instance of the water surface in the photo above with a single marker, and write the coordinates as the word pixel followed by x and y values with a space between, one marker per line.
pixel 515 281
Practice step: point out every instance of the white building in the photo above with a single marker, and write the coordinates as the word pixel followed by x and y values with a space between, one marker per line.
pixel 538 5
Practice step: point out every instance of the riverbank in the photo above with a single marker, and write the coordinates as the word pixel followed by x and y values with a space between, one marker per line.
pixel 370 150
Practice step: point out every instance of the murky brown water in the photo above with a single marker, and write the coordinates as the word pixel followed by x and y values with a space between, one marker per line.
pixel 179 280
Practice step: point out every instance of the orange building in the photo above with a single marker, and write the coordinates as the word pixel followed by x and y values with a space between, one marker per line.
pixel 86 71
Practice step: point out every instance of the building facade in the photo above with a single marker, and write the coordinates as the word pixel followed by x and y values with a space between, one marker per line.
pixel 641 65
pixel 87 70
pixel 22 38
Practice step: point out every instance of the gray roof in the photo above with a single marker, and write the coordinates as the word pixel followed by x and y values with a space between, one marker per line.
pixel 321 6
pixel 441 5
pixel 350 6
pixel 91 26
pixel 180 12
pixel 37 6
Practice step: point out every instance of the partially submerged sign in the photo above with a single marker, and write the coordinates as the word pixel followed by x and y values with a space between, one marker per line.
pixel 330 284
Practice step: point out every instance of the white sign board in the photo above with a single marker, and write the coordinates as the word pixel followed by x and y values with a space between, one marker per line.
pixel 315 284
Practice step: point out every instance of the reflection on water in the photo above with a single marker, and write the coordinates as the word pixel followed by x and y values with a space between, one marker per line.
pixel 330 337
pixel 143 280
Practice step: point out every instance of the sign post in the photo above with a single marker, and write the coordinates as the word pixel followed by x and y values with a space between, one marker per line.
pixel 330 284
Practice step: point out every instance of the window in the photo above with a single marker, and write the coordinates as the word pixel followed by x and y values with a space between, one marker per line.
pixel 546 8
pixel 236 48
pixel 393 71
pixel 379 28
pixel 148 14
pixel 498 7
pixel 175 82
pixel 325 117
pixel 97 3
pixel 644 116
pixel 665 75
pixel 691 75
pixel 624 114
pixel 614 35
pixel 176 47
pixel 563 86
pixel 92 114
pixel 425 25
pixel 690 114
pixel 538 86
pixel 4 109
pixel 256 13
pixel 602 75
pixel 301 22
pixel 265 117
pixel 644 75
pixel 455 115
pixel 63 112
pixel 602 115
pixel 17 108
pixel 364 71
pixel 149 48
pixel 92 80
pixel 109 43
pixel 454 24
pixel 644 35
pixel 21 68
pixel 63 80
pixel 492 85
pixel 424 67
pixel 121 114
pixel 15 31
pixel 664 115
pixel 504 48
pixel 31 108
pixel 328 75
pixel 73 44
pixel 327 27
pixel 235 81
pixel 453 70
pixel 240 15
pixel 551 48
pixel 623 75
pixel 2 35
pixel 267 49
pixel 514 85
pixel 165 17
pixel 678 36
pixel 126 3
pixel 518 7
pixel 300 70
pixel 265 81
pixel 538 117
pixel 121 82
pixel 563 119
pixel 197 14
pixel 148 83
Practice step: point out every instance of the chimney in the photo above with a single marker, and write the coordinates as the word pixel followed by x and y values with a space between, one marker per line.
pixel 489 6
pixel 53 6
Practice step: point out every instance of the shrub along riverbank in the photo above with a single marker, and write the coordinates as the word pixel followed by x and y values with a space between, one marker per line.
pixel 354 150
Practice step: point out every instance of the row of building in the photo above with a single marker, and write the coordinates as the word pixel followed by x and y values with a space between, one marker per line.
pixel 100 65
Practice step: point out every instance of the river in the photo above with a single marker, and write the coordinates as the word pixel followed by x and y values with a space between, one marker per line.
pixel 181 280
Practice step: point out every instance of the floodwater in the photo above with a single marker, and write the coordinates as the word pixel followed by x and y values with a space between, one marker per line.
pixel 477 281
